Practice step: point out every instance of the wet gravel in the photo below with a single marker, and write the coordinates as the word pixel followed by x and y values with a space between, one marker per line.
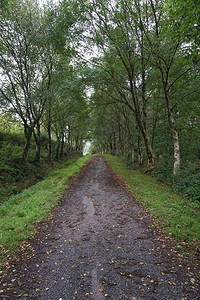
pixel 99 244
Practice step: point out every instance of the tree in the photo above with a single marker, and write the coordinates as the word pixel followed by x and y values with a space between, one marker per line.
pixel 24 64
pixel 166 50
pixel 124 60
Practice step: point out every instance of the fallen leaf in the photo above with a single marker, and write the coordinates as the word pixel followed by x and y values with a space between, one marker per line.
pixel 162 273
pixel 75 293
pixel 192 280
pixel 47 289
pixel 101 289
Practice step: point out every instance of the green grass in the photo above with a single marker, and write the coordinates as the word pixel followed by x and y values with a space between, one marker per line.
pixel 178 216
pixel 21 212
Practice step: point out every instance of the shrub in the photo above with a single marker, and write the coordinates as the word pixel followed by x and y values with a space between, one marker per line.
pixel 187 181
pixel 163 170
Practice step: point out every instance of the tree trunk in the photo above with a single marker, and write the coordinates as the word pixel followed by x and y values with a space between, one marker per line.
pixel 139 142
pixel 149 150
pixel 132 154
pixel 49 131
pixel 49 142
pixel 28 134
pixel 62 145
pixel 38 143
pixel 141 123
pixel 57 147
pixel 174 131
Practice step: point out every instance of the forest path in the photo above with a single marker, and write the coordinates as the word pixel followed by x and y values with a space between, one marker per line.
pixel 99 244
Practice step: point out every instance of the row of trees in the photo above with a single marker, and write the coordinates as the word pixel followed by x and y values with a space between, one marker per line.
pixel 146 80
pixel 38 85
pixel 139 58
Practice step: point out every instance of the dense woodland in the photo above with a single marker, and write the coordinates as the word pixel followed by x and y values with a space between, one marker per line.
pixel 121 74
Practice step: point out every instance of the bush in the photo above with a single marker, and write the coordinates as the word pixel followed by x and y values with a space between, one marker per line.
pixel 12 138
pixel 187 181
pixel 163 170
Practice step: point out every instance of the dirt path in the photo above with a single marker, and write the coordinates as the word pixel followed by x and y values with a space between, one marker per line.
pixel 99 245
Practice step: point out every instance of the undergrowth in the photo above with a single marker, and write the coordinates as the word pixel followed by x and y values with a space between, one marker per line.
pixel 179 216
pixel 34 204
pixel 16 175
pixel 186 181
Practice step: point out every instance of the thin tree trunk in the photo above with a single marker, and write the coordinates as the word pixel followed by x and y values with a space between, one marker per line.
pixel 62 145
pixel 139 142
pixel 57 146
pixel 175 137
pixel 49 131
pixel 132 154
pixel 37 141
pixel 141 123
pixel 148 147
pixel 28 134
pixel 49 142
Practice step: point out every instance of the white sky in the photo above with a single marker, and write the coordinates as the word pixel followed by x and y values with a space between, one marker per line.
pixel 43 2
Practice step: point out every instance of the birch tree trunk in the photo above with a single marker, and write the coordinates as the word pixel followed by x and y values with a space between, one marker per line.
pixel 174 132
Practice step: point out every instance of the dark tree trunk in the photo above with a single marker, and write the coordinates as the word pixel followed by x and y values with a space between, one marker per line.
pixel 49 131
pixel 139 142
pixel 49 142
pixel 57 147
pixel 28 134
pixel 62 145
pixel 38 142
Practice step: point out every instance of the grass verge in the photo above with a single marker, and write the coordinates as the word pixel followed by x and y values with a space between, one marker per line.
pixel 178 216
pixel 28 175
pixel 21 211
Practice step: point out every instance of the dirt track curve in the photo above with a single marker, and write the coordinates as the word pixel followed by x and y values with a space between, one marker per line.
pixel 99 244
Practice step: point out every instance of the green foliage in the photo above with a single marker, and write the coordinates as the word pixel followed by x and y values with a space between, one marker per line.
pixel 178 216
pixel 18 214
pixel 187 181
pixel 15 175
pixel 163 170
